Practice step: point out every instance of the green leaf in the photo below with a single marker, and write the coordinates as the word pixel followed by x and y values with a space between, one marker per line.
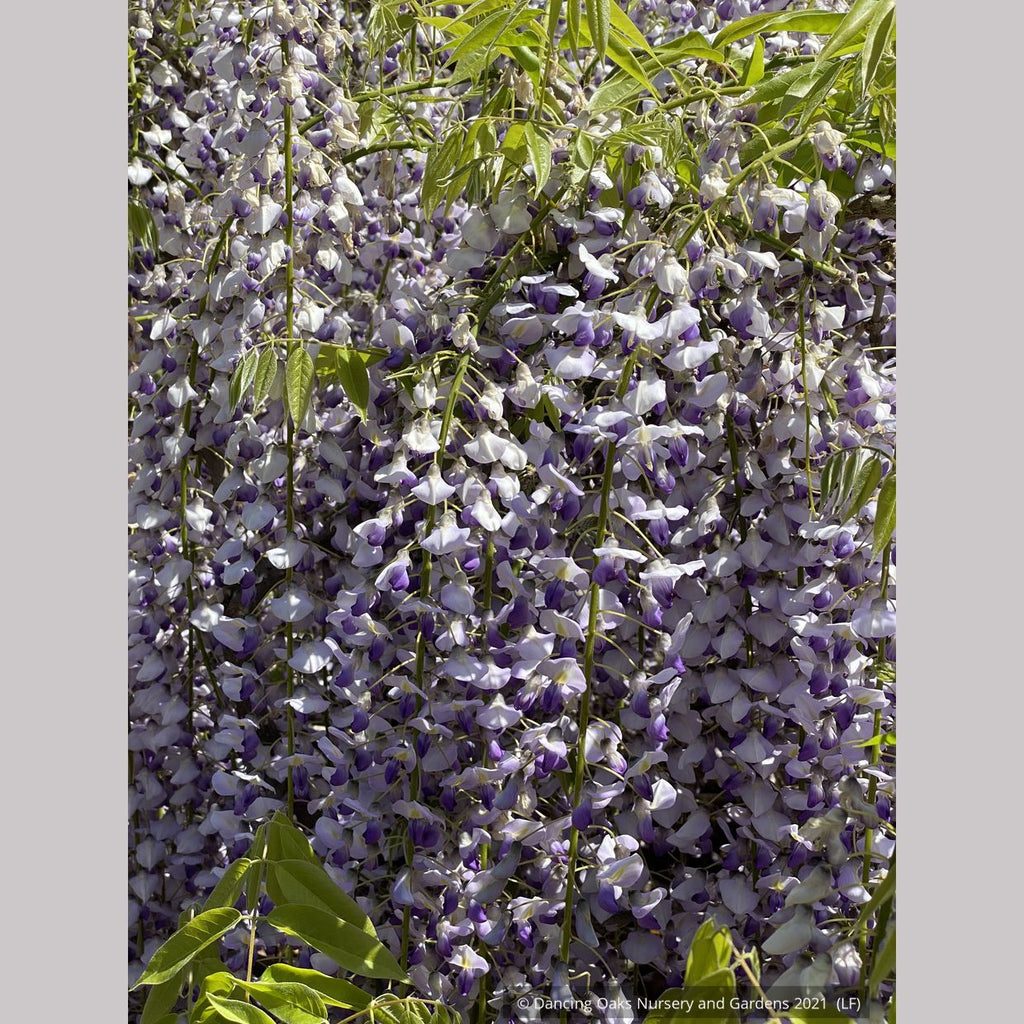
pixel 238 1012
pixel 229 886
pixel 687 174
pixel 554 13
pixel 762 142
pixel 371 356
pixel 388 1010
pixel 298 881
pixel 801 164
pixel 349 947
pixel 884 961
pixel 828 1014
pixel 471 54
pixel 287 842
pixel 874 741
pixel 622 56
pixel 551 414
pixel 629 33
pixel 884 893
pixel 333 991
pixel 514 143
pixel 852 466
pixel 722 980
pixel 298 383
pixel 754 71
pixel 352 376
pixel 710 952
pixel 186 943
pixel 540 154
pixel 481 35
pixel 819 87
pixel 220 983
pixel 141 227
pixel 664 1013
pixel 867 481
pixel 291 1002
pixel 204 967
pixel 254 879
pixel 598 21
pixel 440 163
pixel 617 90
pixel 874 142
pixel 774 86
pixel 876 41
pixel 572 25
pixel 667 1013
pixel 691 46
pixel 885 513
pixel 243 376
pixel 161 998
pixel 481 142
pixel 819 22
pixel 266 370
pixel 829 476
pixel 854 22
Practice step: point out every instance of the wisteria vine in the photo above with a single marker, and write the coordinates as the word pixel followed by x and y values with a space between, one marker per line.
pixel 512 478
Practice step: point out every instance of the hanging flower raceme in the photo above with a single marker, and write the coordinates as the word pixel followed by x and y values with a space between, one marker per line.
pixel 573 479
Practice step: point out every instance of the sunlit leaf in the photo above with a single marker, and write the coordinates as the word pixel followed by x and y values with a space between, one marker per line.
pixel 885 513
pixel 298 383
pixel 876 40
pixel 238 1012
pixel 754 71
pixel 345 944
pixel 333 991
pixel 864 487
pixel 710 952
pixel 598 22
pixel 187 943
pixel 242 378
pixel 266 370
pixel 229 886
pixel 298 881
pixel 818 22
pixel 854 23
pixel 622 25
pixel 540 154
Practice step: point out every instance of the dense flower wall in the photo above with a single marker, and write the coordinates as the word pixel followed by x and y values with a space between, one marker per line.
pixel 590 498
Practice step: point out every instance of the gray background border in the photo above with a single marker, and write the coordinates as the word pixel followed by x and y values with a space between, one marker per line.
pixel 64 523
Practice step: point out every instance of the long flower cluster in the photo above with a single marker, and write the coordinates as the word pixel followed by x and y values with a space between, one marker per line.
pixel 560 612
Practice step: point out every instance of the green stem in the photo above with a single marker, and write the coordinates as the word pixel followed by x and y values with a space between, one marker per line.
pixel 588 670
pixel 489 293
pixel 873 758
pixel 481 1006
pixel 252 949
pixel 289 237
pixel 391 90
pixel 488 575
pixel 554 10
pixel 734 461
pixel 734 183
pixel 157 162
pixel 379 147
pixel 426 571
pixel 802 329
pixel 194 637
